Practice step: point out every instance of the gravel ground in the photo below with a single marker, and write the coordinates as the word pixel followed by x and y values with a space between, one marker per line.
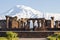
pixel 33 39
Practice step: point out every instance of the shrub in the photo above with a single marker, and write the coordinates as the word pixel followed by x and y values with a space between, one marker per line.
pixel 12 35
pixel 56 36
pixel 51 38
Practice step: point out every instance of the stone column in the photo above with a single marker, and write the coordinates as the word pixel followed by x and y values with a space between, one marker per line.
pixel 58 24
pixel 33 22
pixel 52 22
pixel 28 23
pixel 7 21
pixel 19 23
pixel 43 24
pixel 24 24
pixel 38 23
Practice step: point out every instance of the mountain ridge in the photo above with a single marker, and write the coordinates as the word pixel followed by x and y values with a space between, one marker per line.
pixel 22 11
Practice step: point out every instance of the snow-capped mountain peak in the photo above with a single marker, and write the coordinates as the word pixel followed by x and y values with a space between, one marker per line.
pixel 22 11
pixel 23 7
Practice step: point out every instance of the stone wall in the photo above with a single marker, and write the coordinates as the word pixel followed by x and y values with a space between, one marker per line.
pixel 34 34
pixel 31 34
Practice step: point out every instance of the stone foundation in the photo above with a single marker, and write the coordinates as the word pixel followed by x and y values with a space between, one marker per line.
pixel 31 34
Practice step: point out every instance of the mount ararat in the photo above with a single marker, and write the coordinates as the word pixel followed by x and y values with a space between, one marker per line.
pixel 22 11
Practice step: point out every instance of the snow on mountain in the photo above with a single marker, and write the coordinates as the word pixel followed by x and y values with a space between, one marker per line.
pixel 55 15
pixel 22 11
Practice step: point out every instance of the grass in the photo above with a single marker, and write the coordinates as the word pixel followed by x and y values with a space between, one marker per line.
pixel 13 39
pixel 3 38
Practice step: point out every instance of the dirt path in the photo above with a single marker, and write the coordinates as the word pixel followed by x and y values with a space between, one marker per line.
pixel 33 39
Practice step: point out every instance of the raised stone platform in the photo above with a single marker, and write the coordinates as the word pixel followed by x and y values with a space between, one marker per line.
pixel 34 34
pixel 30 34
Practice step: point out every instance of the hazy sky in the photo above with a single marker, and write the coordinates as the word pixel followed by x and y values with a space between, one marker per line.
pixel 42 5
